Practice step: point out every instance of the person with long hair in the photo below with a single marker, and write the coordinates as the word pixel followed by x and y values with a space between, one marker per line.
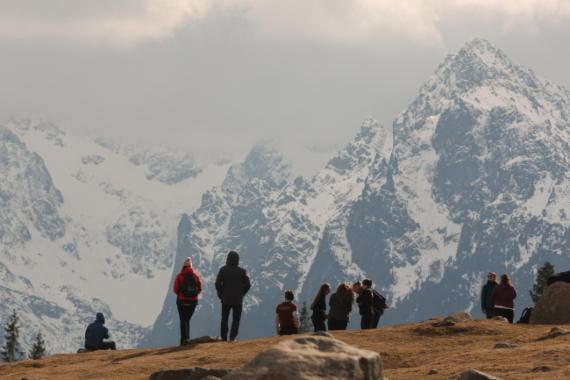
pixel 340 307
pixel 503 297
pixel 319 308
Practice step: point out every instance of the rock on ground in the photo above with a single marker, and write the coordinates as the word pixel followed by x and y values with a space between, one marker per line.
pixel 312 357
pixel 554 332
pixel 474 374
pixel 453 318
pixel 195 373
pixel 553 307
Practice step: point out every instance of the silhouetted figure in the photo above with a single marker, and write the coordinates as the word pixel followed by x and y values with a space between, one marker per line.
pixel 378 303
pixel 232 283
pixel 187 287
pixel 487 306
pixel 287 318
pixel 365 300
pixel 95 334
pixel 319 308
pixel 340 307
pixel 503 297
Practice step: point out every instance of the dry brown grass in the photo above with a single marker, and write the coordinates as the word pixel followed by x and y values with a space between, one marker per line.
pixel 408 352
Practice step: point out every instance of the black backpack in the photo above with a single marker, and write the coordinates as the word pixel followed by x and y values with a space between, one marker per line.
pixel 379 302
pixel 189 288
pixel 525 316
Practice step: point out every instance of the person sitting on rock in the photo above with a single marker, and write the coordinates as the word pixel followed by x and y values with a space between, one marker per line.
pixel 486 301
pixel 340 307
pixel 287 318
pixel 503 297
pixel 95 334
pixel 319 308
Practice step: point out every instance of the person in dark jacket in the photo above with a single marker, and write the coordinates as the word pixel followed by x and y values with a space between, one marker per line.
pixel 365 302
pixel 340 307
pixel 95 334
pixel 503 297
pixel 187 287
pixel 319 308
pixel 486 300
pixel 232 284
pixel 378 303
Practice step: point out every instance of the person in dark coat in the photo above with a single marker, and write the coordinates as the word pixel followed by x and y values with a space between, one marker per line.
pixel 319 308
pixel 503 297
pixel 187 287
pixel 95 334
pixel 378 303
pixel 486 300
pixel 340 307
pixel 365 302
pixel 232 284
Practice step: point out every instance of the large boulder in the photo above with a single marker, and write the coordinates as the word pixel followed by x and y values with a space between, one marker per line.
pixel 553 307
pixel 311 357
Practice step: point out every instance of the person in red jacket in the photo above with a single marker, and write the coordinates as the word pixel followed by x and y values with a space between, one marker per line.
pixel 187 287
pixel 503 297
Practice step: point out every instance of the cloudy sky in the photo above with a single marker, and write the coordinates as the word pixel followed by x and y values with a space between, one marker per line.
pixel 220 75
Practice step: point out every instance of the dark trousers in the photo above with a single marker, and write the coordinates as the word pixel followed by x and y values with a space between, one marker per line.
pixel 318 323
pixel 337 325
pixel 377 316
pixel 185 312
pixel 367 321
pixel 291 330
pixel 507 313
pixel 490 312
pixel 110 345
pixel 236 317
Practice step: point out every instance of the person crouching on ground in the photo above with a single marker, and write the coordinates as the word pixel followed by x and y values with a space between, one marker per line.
pixel 486 301
pixel 187 287
pixel 503 297
pixel 287 318
pixel 95 334
pixel 319 308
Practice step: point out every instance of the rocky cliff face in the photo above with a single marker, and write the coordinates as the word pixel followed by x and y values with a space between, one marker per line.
pixel 470 178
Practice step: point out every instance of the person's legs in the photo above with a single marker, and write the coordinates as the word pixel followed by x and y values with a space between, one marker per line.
pixel 377 316
pixel 185 312
pixel 288 331
pixel 333 325
pixel 367 321
pixel 507 313
pixel 318 324
pixel 490 313
pixel 510 315
pixel 236 318
pixel 224 326
pixel 108 346
pixel 182 324
pixel 342 325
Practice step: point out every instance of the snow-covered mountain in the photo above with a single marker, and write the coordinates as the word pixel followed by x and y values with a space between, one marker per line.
pixel 87 226
pixel 471 177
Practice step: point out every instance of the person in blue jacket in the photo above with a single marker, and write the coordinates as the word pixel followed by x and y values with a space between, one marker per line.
pixel 95 334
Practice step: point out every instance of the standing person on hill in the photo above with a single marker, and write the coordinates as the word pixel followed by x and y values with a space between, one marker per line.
pixel 378 303
pixel 95 334
pixel 287 318
pixel 187 287
pixel 232 283
pixel 486 300
pixel 365 301
pixel 319 307
pixel 503 297
pixel 340 307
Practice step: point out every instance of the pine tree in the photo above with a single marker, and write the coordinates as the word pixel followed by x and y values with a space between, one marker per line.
pixel 540 284
pixel 305 324
pixel 39 348
pixel 11 349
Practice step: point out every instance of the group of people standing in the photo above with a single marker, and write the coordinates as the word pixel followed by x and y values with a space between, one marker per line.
pixel 498 299
pixel 232 284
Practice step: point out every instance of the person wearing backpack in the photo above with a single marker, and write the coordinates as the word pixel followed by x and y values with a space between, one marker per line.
pixel 232 284
pixel 503 297
pixel 486 300
pixel 187 287
pixel 319 308
pixel 378 303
